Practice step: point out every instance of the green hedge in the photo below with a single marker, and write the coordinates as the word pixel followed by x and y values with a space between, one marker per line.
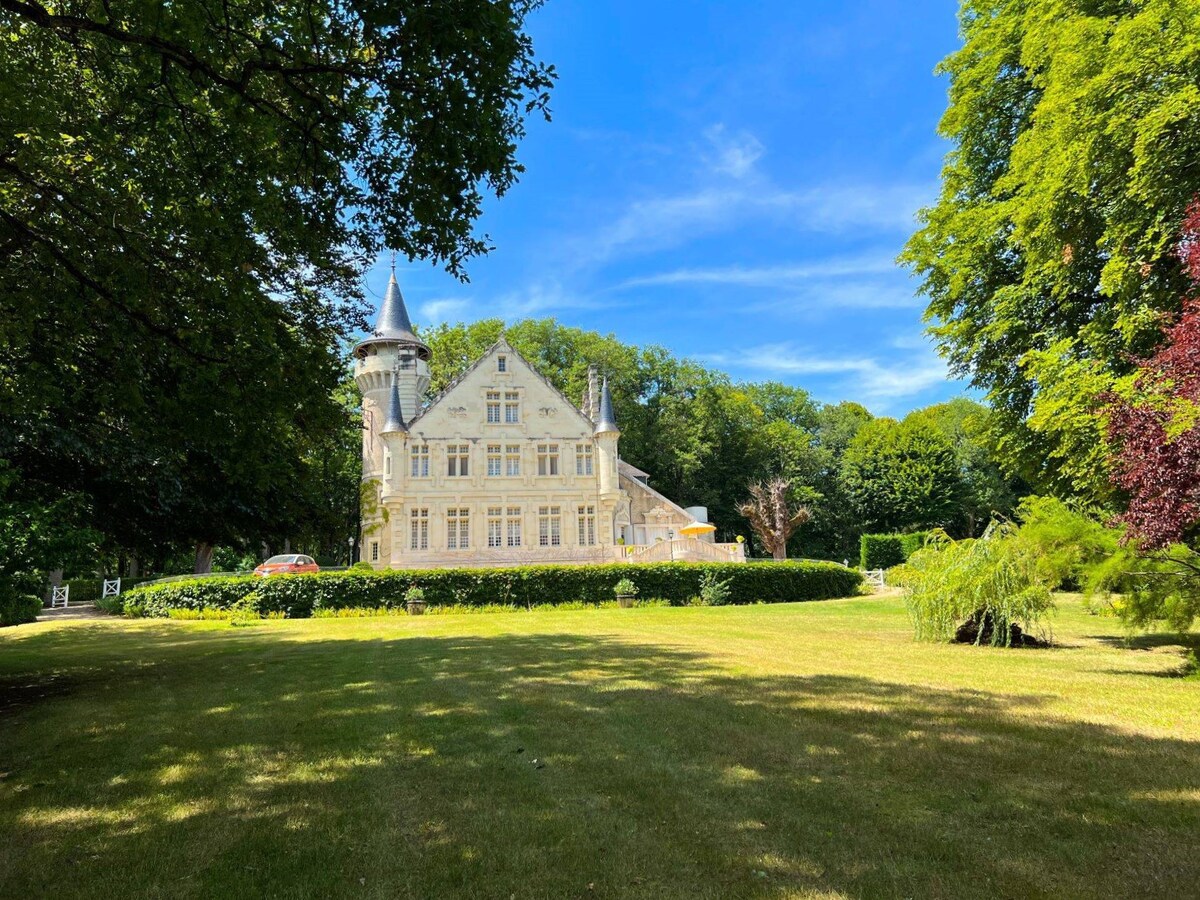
pixel 882 551
pixel 297 596
pixel 17 609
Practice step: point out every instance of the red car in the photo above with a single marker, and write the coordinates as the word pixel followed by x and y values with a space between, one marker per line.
pixel 288 564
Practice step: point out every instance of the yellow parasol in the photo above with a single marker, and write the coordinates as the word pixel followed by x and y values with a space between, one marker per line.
pixel 694 528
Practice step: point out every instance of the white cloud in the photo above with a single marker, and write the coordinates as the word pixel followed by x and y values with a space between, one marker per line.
pixel 770 276
pixel 445 309
pixel 863 377
pixel 734 154
pixel 666 221
pixel 866 281
pixel 539 298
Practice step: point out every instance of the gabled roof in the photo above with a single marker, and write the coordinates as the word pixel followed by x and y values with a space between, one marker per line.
pixel 502 345
pixel 393 325
pixel 631 470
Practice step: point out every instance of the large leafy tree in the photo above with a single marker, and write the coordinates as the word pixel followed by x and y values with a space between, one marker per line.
pixel 986 490
pixel 1048 258
pixel 1155 423
pixel 901 476
pixel 187 194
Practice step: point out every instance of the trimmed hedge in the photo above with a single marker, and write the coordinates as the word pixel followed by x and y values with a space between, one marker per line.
pixel 882 551
pixel 17 609
pixel 297 596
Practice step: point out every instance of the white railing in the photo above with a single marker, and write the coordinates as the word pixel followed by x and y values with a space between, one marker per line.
pixel 874 577
pixel 686 550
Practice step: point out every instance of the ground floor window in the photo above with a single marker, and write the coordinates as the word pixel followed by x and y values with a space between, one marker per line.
pixel 374 551
pixel 495 527
pixel 419 530
pixel 587 526
pixel 458 529
pixel 549 526
pixel 513 525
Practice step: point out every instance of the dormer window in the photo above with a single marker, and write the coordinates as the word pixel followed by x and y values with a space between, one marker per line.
pixel 501 363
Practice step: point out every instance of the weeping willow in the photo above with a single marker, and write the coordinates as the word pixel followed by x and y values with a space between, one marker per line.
pixel 996 575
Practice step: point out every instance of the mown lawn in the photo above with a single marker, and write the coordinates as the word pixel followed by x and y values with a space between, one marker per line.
pixel 808 750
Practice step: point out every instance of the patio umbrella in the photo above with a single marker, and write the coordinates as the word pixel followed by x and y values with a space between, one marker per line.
pixel 691 529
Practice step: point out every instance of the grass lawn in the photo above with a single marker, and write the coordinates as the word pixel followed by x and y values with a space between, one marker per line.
pixel 808 750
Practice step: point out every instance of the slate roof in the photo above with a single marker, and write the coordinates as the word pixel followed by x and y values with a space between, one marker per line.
pixel 395 416
pixel 607 421
pixel 393 325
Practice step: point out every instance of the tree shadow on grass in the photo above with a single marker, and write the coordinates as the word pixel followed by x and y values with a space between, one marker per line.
pixel 220 764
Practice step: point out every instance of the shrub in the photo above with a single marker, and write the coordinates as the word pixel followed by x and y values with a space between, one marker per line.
pixel 1069 542
pixel 414 594
pixel 994 579
pixel 713 591
pixel 882 551
pixel 625 588
pixel 17 609
pixel 299 596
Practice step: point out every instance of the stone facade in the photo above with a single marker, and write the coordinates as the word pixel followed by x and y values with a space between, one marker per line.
pixel 500 469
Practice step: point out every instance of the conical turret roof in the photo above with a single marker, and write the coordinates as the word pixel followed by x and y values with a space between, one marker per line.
pixel 394 422
pixel 393 325
pixel 607 421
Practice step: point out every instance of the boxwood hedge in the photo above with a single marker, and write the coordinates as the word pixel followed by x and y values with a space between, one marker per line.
pixel 297 596
pixel 17 609
pixel 882 551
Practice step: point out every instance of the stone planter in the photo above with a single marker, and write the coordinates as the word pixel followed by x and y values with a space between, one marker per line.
pixel 416 607
pixel 625 600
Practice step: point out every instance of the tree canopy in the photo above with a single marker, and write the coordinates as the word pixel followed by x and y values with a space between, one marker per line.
pixel 901 476
pixel 188 193
pixel 1049 255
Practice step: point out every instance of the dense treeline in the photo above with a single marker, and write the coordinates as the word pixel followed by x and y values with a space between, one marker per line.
pixel 705 439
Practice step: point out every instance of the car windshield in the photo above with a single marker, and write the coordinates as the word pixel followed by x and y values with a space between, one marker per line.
pixel 275 560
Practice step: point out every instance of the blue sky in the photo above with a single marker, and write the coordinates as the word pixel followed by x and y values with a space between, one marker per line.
pixel 730 180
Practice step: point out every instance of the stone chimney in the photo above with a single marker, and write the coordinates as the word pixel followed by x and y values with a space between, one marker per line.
pixel 592 409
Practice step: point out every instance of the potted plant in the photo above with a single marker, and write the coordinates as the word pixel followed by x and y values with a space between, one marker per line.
pixel 626 592
pixel 414 600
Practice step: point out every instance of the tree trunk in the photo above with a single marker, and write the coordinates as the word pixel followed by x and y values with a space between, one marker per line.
pixel 779 551
pixel 204 554
pixel 134 568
